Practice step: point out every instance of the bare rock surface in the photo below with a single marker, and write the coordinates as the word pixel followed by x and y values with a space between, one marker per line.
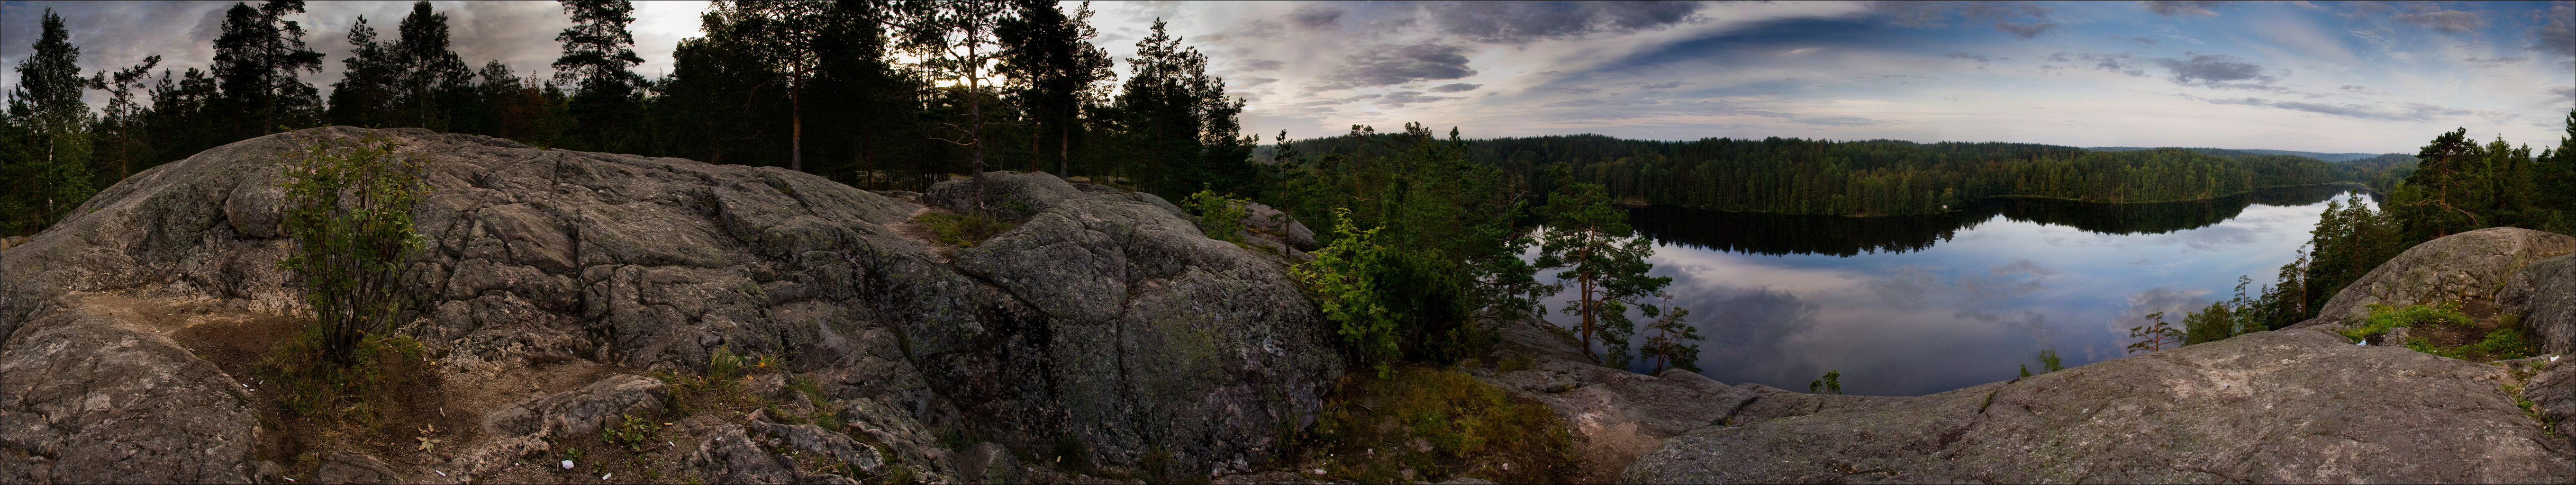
pixel 535 258
pixel 2543 298
pixel 88 398
pixel 1615 415
pixel 2469 266
pixel 581 412
pixel 2291 406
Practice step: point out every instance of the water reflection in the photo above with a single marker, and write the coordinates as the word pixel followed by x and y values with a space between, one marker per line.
pixel 1910 306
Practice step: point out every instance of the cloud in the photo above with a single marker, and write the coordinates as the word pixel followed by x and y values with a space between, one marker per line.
pixel 1967 56
pixel 2173 303
pixel 2447 21
pixel 1522 22
pixel 2187 7
pixel 2150 42
pixel 2119 63
pixel 1455 88
pixel 1747 329
pixel 1662 85
pixel 1801 51
pixel 2025 30
pixel 2559 35
pixel 1933 15
pixel 2498 61
pixel 1390 65
pixel 1262 64
pixel 2215 71
pixel 1400 98
pixel 1316 16
pixel 2401 111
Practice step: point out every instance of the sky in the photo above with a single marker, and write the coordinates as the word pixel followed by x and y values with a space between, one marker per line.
pixel 2331 77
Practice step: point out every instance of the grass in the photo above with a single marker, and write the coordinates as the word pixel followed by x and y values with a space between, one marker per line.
pixel 329 394
pixel 1430 424
pixel 964 230
pixel 2505 340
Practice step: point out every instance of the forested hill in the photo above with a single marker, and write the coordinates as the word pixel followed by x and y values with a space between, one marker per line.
pixel 2330 157
pixel 1888 177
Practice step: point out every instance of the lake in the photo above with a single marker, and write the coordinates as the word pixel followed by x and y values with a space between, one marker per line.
pixel 1924 304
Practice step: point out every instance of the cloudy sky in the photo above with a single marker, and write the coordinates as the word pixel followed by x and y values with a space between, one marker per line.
pixel 2314 76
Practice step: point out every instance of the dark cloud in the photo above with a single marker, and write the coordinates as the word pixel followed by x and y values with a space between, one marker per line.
pixel 2566 92
pixel 1930 15
pixel 1517 22
pixel 1662 85
pixel 2150 42
pixel 1262 64
pixel 1392 65
pixel 2184 7
pixel 1455 88
pixel 1747 330
pixel 2173 303
pixel 1400 98
pixel 2559 35
pixel 1316 16
pixel 1967 56
pixel 2216 71
pixel 2447 21
pixel 2404 111
pixel 1843 121
pixel 2119 63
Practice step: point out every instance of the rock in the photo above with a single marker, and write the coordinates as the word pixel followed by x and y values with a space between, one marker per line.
pixel 904 439
pixel 1615 415
pixel 814 440
pixel 2292 406
pixel 11 241
pixel 2543 298
pixel 988 463
pixel 730 456
pixel 1271 221
pixel 86 398
pixel 580 412
pixel 2468 266
pixel 535 257
pixel 2553 394
pixel 346 467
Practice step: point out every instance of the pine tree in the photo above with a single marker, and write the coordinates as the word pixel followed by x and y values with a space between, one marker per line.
pixel 364 94
pixel 1591 240
pixel 955 41
pixel 122 139
pixel 598 61
pixel 50 127
pixel 1051 50
pixel 430 81
pixel 257 58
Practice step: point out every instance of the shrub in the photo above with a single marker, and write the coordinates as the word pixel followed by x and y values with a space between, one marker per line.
pixel 1220 217
pixel 964 230
pixel 349 213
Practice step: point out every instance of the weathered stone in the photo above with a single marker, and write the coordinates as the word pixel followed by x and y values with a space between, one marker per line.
pixel 2469 266
pixel 2543 298
pixel 2292 406
pixel 1272 221
pixel 580 412
pixel 536 257
pixel 730 456
pixel 1615 414
pixel 91 399
pixel 346 467
pixel 813 439
pixel 988 463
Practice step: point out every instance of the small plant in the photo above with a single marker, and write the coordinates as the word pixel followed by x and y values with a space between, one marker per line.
pixel 2384 318
pixel 631 433
pixel 723 365
pixel 1831 383
pixel 1220 217
pixel 1516 362
pixel 964 230
pixel 2154 337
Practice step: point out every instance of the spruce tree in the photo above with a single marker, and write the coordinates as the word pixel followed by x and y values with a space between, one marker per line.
pixel 1591 241
pixel 364 94
pixel 1051 50
pixel 258 57
pixel 430 81
pixel 121 138
pixel 598 62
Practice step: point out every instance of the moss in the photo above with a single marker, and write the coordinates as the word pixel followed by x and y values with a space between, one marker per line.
pixel 1432 424
pixel 964 230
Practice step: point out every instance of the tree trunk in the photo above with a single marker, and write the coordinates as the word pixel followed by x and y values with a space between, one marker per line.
pixel 796 124
pixel 1064 151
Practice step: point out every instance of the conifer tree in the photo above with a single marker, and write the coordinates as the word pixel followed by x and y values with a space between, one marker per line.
pixel 364 94
pixel 124 118
pixel 1051 50
pixel 598 62
pixel 430 81
pixel 49 167
pixel 1591 241
pixel 257 58
pixel 955 41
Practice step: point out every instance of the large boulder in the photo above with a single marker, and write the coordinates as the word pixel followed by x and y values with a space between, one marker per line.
pixel 2292 406
pixel 1614 415
pixel 86 397
pixel 536 257
pixel 2543 298
pixel 2469 266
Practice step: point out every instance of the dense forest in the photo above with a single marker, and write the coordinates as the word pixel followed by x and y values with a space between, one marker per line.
pixel 1894 178
pixel 880 95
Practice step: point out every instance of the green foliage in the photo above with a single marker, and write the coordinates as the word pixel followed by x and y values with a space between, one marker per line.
pixel 349 213
pixel 1220 216
pixel 1831 383
pixel 2154 337
pixel 1591 241
pixel 2384 318
pixel 723 365
pixel 1342 276
pixel 2504 341
pixel 46 136
pixel 2049 361
pixel 631 433
pixel 325 388
pixel 964 230
pixel 1670 347
pixel 1439 423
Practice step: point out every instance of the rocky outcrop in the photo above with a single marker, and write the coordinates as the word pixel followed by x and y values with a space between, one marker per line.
pixel 2469 266
pixel 1614 415
pixel 1121 326
pixel 581 412
pixel 87 398
pixel 2292 406
pixel 2543 298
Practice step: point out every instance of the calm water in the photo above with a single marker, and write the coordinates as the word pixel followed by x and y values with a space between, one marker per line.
pixel 1918 305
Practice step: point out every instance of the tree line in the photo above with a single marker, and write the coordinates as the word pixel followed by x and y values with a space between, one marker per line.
pixel 1896 178
pixel 879 95
pixel 2455 185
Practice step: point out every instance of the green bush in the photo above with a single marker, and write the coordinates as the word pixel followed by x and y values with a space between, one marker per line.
pixel 2384 318
pixel 1220 217
pixel 964 230
pixel 349 213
